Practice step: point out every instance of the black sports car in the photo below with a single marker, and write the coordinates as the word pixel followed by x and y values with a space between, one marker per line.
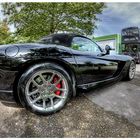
pixel 44 75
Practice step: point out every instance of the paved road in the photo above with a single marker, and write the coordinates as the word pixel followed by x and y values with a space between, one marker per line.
pixel 98 115
pixel 80 118
pixel 121 98
pixel 138 68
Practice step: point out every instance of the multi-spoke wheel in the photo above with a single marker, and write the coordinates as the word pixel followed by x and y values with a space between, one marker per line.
pixel 131 71
pixel 45 88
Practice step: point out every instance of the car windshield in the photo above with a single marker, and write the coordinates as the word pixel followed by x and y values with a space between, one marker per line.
pixel 85 45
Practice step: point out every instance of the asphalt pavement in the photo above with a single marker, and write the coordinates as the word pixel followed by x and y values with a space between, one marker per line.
pixel 111 111
pixel 121 98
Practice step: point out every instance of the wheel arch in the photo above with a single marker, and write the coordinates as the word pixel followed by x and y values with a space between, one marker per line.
pixel 23 67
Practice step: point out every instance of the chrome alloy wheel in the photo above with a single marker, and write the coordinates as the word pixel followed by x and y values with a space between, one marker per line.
pixel 46 90
pixel 132 70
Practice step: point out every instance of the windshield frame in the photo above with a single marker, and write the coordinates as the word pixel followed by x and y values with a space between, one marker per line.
pixel 101 50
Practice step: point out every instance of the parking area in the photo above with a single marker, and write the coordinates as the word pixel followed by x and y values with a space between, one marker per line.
pixel 121 98
pixel 112 111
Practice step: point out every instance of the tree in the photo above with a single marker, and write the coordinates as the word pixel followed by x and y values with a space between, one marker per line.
pixel 39 19
pixel 7 37
pixel 4 32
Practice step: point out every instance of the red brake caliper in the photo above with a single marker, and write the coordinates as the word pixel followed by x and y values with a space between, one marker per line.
pixel 59 85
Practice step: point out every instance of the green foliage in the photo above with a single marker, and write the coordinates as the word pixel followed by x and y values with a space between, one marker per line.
pixel 4 32
pixel 75 46
pixel 6 37
pixel 34 20
pixel 18 39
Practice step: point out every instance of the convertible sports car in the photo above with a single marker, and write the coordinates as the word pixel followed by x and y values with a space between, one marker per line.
pixel 43 76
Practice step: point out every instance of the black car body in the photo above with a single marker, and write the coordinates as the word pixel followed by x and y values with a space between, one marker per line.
pixel 85 68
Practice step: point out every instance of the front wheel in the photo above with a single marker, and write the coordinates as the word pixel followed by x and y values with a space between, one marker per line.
pixel 131 71
pixel 45 88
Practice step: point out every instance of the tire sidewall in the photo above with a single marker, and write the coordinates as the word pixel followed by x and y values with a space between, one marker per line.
pixel 130 78
pixel 29 73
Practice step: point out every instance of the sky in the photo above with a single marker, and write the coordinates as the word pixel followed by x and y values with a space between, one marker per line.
pixel 115 17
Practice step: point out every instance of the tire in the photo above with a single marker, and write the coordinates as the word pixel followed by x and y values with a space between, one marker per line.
pixel 131 71
pixel 44 88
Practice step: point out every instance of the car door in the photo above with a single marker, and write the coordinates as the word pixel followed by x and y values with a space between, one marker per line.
pixel 90 64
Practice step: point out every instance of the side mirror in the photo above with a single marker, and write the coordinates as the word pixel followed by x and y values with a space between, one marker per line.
pixel 107 48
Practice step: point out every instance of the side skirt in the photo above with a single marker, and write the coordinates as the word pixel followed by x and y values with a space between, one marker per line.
pixel 103 82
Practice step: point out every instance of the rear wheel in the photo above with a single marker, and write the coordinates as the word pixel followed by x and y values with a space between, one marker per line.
pixel 131 71
pixel 45 88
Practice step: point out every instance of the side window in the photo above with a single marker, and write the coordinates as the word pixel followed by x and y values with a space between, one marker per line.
pixel 85 45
